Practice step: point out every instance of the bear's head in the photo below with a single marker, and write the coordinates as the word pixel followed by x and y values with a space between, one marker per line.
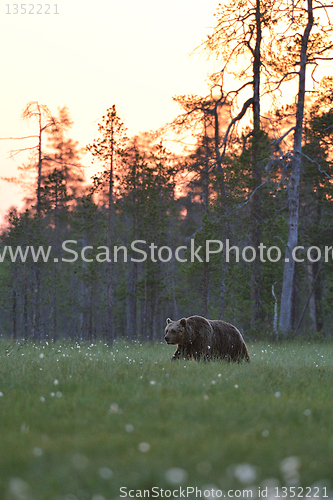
pixel 175 332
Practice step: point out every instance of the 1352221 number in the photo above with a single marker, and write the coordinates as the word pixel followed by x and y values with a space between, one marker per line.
pixel 299 492
pixel 32 8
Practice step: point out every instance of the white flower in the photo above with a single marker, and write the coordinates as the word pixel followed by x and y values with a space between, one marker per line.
pixel 114 408
pixel 290 469
pixel 144 447
pixel 176 475
pixel 245 473
pixel 18 488
pixel 105 473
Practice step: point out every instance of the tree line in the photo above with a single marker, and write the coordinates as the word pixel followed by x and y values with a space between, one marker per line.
pixel 253 178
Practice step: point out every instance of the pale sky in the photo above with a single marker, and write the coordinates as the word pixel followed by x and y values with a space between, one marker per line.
pixel 133 53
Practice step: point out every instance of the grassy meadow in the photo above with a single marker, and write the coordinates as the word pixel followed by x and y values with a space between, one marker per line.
pixel 80 421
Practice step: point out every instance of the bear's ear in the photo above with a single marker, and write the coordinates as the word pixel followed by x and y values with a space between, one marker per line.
pixel 169 321
pixel 183 322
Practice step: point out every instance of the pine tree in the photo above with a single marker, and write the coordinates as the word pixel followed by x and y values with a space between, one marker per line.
pixel 108 149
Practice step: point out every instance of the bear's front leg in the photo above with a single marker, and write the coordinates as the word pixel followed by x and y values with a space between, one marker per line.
pixel 178 353
pixel 181 352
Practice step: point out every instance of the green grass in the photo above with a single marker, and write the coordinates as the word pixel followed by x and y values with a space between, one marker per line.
pixel 67 409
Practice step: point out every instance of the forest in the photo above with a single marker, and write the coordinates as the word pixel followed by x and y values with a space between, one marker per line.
pixel 257 169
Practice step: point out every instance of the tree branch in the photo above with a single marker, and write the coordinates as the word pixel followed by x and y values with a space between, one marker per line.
pixel 278 141
pixel 17 151
pixel 319 167
pixel 246 105
pixel 256 189
pixel 17 138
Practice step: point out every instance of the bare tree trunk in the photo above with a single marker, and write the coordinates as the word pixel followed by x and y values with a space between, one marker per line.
pixel 39 173
pixel 149 313
pixel 224 228
pixel 295 299
pixel 25 315
pixel 175 307
pixel 293 188
pixel 145 309
pixel 256 276
pixel 318 296
pixel 222 290
pixel 84 296
pixel 275 320
pixel 55 270
pixel 312 301
pixel 110 236
pixel 25 304
pixel 155 317
pixel 14 321
pixel 90 315
pixel 317 283
pixel 132 274
pixel 37 332
pixel 205 281
pixel 110 295
pixel 143 318
pixel 310 294
pixel 55 303
pixel 205 197
pixel 36 317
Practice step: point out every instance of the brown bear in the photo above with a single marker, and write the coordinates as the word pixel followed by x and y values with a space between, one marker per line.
pixel 201 338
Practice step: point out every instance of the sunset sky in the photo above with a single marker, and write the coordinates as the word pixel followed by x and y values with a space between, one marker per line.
pixel 134 54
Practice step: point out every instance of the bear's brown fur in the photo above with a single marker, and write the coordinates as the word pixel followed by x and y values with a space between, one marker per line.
pixel 201 338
